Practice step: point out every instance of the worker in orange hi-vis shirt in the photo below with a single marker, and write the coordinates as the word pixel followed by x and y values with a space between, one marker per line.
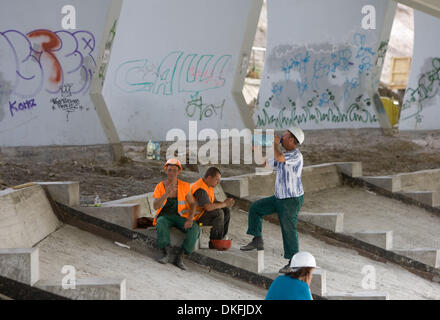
pixel 175 207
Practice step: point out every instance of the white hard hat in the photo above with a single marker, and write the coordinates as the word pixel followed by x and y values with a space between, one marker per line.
pixel 298 133
pixel 302 260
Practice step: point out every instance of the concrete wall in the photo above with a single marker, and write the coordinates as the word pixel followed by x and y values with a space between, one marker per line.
pixel 322 68
pixel 421 107
pixel 173 61
pixel 46 72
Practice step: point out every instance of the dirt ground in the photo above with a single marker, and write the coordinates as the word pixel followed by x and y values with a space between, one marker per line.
pixel 379 154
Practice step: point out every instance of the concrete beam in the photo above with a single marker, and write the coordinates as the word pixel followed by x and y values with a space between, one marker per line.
pixel 352 169
pixel 219 193
pixel 145 202
pixel 320 177
pixel 88 289
pixel 124 215
pixel 430 198
pixel 22 265
pixel 238 187
pixel 330 221
pixel 65 192
pixel 367 295
pixel 382 239
pixel 252 261
pixel 260 184
pixel 428 256
pixel 390 183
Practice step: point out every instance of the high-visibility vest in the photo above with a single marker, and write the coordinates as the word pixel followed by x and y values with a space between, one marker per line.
pixel 183 207
pixel 209 190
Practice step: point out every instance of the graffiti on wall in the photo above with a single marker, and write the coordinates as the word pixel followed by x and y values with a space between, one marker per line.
pixel 178 73
pixel 45 62
pixel 428 87
pixel 321 83
pixel 65 102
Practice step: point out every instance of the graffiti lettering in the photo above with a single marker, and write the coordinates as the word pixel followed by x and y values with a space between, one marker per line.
pixel 191 73
pixel 25 105
pixel 196 106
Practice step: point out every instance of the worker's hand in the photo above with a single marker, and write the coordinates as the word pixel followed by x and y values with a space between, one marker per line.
pixel 229 202
pixel 276 140
pixel 188 224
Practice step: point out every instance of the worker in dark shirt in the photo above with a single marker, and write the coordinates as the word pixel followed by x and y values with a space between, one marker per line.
pixel 208 211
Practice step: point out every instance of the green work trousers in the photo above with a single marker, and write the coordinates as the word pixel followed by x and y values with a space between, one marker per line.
pixel 166 222
pixel 287 210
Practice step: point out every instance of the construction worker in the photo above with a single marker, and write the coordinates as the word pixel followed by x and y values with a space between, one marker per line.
pixel 175 208
pixel 288 198
pixel 208 211
pixel 295 285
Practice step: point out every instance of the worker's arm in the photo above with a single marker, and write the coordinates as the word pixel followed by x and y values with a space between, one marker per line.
pixel 192 202
pixel 278 156
pixel 229 202
pixel 158 203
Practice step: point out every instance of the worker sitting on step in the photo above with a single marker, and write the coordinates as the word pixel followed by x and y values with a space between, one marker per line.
pixel 175 208
pixel 208 211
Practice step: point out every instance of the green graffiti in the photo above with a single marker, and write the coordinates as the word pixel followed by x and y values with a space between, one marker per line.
pixel 428 88
pixel 356 112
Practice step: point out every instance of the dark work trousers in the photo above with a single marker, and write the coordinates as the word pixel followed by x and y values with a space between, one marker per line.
pixel 219 220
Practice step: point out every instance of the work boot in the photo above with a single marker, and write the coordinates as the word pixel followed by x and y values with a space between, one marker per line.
pixel 166 255
pixel 286 268
pixel 179 259
pixel 256 243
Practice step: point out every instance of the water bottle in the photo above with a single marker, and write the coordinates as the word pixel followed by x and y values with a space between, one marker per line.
pixel 150 150
pixel 156 151
pixel 97 201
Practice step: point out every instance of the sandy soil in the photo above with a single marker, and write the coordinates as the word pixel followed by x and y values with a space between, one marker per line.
pixel 379 154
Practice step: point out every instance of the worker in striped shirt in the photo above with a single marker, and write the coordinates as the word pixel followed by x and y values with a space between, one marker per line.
pixel 288 198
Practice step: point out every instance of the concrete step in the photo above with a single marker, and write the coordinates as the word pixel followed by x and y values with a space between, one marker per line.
pixel 390 183
pixel 26 217
pixel 252 261
pixel 238 187
pixel 382 239
pixel 145 202
pixel 330 221
pixel 430 198
pixel 88 289
pixel 428 256
pixel 65 192
pixel 124 215
pixel 22 265
pixel 177 236
pixel 364 295
pixel 320 177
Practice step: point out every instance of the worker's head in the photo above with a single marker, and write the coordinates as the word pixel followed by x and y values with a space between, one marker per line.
pixel 292 138
pixel 302 265
pixel 212 177
pixel 172 168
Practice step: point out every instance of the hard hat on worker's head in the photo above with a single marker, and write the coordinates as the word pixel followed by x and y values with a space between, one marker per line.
pixel 302 259
pixel 174 162
pixel 298 133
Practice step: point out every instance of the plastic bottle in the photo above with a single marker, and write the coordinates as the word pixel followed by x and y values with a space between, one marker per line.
pixel 97 201
pixel 150 150
pixel 156 151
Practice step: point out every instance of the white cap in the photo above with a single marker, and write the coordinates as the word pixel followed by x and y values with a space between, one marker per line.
pixel 303 260
pixel 298 133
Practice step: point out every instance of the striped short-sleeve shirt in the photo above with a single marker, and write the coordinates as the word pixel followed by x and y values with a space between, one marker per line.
pixel 288 181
